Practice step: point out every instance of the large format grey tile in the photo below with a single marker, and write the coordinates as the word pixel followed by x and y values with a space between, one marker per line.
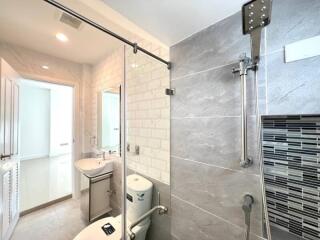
pixel 160 228
pixel 217 45
pixel 215 141
pixel 292 20
pixel 293 88
pixel 191 223
pixel 211 93
pixel 219 191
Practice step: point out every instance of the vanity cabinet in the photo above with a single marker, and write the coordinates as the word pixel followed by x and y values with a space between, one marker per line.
pixel 95 201
pixel 9 150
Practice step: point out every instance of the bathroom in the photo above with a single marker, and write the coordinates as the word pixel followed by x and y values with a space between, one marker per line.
pixel 190 120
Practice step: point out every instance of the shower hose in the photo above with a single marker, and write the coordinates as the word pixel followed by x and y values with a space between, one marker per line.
pixel 260 158
pixel 247 209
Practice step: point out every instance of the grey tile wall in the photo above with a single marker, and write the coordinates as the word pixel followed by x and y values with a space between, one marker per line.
pixel 191 222
pixel 207 182
pixel 214 190
pixel 293 88
pixel 218 45
pixel 291 147
pixel 291 21
pixel 205 130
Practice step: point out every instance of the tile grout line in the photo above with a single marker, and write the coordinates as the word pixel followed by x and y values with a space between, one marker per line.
pixel 216 166
pixel 212 214
pixel 203 71
pixel 222 66
pixel 204 117
pixel 208 117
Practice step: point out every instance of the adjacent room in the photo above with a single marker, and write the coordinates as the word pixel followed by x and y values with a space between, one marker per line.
pixel 46 135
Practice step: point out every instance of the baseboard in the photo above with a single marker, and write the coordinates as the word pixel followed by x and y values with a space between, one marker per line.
pixel 35 156
pixel 25 212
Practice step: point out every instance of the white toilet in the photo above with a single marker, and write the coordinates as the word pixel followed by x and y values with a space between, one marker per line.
pixel 139 196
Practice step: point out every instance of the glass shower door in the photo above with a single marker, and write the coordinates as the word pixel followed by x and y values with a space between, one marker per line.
pixel 147 146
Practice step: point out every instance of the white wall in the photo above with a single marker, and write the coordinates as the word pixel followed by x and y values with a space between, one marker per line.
pixel 46 112
pixel 34 122
pixel 61 120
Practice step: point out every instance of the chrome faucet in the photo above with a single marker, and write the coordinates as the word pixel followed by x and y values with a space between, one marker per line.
pixel 112 152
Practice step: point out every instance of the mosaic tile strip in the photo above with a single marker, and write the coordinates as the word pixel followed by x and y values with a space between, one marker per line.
pixel 291 151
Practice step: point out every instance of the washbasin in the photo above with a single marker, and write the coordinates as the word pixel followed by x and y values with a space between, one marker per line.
pixel 94 166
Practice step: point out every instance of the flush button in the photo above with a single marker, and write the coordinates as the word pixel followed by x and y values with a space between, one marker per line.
pixel 108 229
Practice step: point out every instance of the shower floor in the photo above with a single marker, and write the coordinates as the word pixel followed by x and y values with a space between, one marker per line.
pixel 278 234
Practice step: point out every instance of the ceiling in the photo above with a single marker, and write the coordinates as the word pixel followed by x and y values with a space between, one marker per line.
pixel 174 20
pixel 33 24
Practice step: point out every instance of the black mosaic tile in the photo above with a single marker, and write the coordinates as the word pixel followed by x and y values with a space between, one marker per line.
pixel 291 151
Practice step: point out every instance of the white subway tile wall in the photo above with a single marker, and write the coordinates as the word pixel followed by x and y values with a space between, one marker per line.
pixel 148 108
pixel 148 113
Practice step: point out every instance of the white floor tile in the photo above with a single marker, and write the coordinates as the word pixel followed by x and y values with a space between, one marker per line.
pixel 44 179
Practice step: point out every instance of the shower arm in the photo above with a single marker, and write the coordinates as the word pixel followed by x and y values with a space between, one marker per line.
pixel 245 64
pixel 161 210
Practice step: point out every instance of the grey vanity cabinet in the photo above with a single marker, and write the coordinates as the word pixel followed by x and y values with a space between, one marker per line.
pixel 95 201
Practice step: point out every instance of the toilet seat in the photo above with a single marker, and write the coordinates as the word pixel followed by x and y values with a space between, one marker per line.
pixel 95 230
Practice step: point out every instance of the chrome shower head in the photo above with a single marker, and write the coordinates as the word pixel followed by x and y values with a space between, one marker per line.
pixel 256 15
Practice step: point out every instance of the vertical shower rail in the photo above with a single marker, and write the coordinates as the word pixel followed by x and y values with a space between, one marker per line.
pixel 244 66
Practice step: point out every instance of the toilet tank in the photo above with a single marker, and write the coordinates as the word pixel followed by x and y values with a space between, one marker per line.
pixel 139 197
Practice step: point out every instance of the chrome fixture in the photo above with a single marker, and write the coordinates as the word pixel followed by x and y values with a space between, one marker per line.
pixel 170 91
pixel 112 152
pixel 137 149
pixel 248 201
pixel 162 210
pixel 256 15
pixel 244 65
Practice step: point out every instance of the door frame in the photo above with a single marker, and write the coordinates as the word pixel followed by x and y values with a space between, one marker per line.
pixel 77 123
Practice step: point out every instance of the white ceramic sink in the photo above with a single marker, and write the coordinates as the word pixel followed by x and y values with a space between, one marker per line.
pixel 94 166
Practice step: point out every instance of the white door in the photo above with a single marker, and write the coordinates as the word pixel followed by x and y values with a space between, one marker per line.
pixel 9 148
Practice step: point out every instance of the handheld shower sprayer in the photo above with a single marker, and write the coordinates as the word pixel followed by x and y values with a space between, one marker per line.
pixel 256 15
pixel 248 201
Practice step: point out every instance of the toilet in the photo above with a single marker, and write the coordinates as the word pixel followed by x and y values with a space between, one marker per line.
pixel 139 197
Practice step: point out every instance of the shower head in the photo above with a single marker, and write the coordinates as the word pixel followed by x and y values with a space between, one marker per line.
pixel 256 15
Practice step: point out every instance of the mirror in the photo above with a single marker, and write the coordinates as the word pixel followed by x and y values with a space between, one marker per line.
pixel 109 120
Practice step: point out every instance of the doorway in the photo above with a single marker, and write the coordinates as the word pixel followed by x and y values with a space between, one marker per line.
pixel 46 143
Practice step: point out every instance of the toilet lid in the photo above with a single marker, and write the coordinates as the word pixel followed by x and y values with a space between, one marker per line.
pixel 95 230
